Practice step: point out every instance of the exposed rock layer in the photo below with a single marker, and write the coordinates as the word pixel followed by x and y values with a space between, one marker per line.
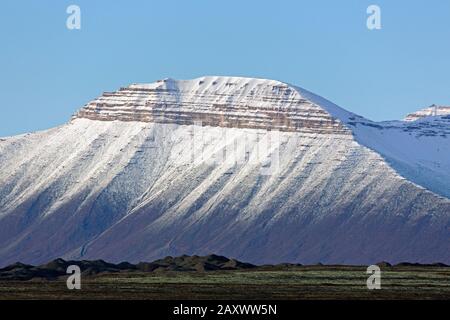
pixel 431 111
pixel 215 101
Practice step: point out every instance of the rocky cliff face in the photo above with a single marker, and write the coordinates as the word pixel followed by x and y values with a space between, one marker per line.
pixel 215 101
pixel 252 169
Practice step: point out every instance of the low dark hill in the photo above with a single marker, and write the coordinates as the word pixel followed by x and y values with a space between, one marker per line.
pixel 57 268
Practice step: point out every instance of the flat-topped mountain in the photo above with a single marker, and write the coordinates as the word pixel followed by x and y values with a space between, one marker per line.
pixel 260 170
pixel 215 101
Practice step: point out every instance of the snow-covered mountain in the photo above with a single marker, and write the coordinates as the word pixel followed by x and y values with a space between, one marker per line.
pixel 433 110
pixel 254 169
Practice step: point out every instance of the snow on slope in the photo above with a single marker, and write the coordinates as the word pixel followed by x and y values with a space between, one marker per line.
pixel 419 150
pixel 207 165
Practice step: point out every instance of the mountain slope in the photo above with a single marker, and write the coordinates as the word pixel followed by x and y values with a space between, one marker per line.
pixel 253 169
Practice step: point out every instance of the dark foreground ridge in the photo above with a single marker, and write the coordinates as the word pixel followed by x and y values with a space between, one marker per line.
pixel 57 268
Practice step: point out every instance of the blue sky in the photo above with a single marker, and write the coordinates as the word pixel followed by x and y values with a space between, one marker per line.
pixel 47 71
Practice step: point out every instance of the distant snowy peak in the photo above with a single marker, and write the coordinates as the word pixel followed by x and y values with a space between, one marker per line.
pixel 431 111
pixel 221 102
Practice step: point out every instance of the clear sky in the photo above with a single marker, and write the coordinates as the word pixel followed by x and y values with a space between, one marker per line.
pixel 47 71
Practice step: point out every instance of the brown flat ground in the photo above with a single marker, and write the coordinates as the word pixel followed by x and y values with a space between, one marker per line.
pixel 293 282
